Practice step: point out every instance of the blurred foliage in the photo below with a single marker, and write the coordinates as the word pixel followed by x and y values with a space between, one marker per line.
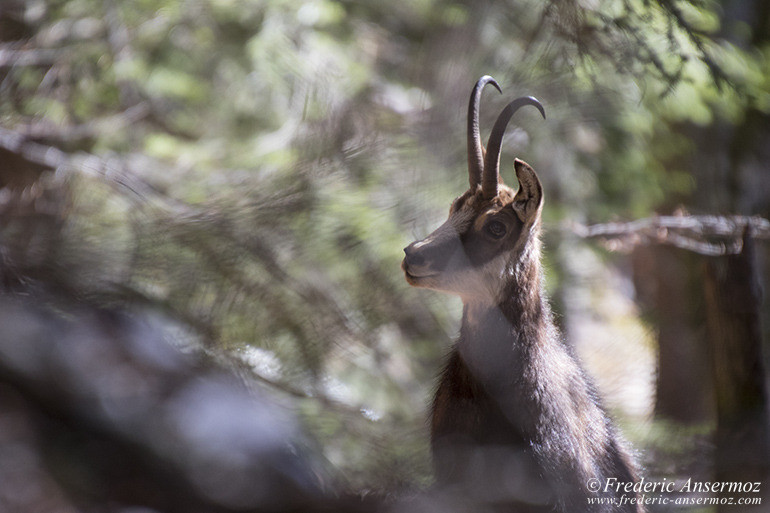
pixel 254 167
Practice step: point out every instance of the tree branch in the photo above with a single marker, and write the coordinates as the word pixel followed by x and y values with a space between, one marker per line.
pixel 705 235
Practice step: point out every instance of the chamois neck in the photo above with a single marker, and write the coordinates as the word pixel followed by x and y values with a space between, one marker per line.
pixel 521 305
pixel 501 343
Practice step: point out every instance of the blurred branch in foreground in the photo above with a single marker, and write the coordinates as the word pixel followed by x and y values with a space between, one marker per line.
pixel 102 410
pixel 705 235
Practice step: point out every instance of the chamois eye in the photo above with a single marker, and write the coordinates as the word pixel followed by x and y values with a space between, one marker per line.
pixel 496 229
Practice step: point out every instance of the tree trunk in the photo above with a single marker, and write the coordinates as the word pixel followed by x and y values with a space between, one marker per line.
pixel 665 287
pixel 733 298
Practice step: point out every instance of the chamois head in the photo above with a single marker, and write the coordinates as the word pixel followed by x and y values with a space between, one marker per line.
pixel 488 226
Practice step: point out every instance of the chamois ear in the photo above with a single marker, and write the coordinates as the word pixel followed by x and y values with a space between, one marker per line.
pixel 529 197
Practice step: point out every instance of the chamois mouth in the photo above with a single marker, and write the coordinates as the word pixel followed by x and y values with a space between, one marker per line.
pixel 412 276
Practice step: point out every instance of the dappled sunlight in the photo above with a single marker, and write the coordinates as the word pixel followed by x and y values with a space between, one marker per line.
pixel 204 206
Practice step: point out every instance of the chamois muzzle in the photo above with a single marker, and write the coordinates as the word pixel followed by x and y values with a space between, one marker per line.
pixel 429 257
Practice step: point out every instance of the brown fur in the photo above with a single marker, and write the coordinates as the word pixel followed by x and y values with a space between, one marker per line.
pixel 515 419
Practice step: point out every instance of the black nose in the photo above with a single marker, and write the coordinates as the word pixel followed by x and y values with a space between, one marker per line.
pixel 413 256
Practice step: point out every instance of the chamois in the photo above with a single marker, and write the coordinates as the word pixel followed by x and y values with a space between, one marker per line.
pixel 514 413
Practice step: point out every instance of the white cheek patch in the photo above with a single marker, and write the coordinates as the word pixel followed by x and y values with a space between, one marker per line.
pixel 484 284
pixel 493 276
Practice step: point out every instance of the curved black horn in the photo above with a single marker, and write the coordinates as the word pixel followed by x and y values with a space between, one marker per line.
pixel 475 148
pixel 491 173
